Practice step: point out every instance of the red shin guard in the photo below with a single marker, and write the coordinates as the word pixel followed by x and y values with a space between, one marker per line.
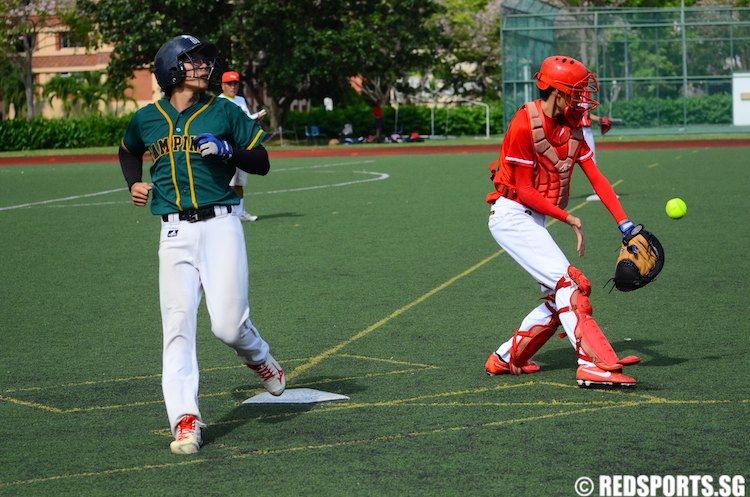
pixel 527 343
pixel 591 344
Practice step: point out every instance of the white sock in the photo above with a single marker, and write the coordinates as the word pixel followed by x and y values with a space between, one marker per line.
pixel 242 205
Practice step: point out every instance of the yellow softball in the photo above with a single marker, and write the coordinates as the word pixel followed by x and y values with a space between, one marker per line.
pixel 676 208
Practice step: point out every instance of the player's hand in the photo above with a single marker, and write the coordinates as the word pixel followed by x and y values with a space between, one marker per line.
pixel 604 124
pixel 259 115
pixel 139 193
pixel 575 223
pixel 210 145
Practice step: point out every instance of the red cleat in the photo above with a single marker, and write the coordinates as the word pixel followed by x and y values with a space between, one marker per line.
pixel 495 366
pixel 592 377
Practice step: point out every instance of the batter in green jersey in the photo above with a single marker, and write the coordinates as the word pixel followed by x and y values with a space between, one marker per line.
pixel 182 178
pixel 196 141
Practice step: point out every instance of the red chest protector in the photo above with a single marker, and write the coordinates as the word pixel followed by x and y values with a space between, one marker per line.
pixel 554 163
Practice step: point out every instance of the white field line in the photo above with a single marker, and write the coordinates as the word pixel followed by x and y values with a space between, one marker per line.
pixel 51 201
pixel 381 176
pixel 317 166
pixel 96 204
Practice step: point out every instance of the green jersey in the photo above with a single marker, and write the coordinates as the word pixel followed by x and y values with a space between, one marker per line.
pixel 183 179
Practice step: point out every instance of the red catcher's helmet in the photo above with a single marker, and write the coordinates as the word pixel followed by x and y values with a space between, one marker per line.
pixel 569 76
pixel 564 73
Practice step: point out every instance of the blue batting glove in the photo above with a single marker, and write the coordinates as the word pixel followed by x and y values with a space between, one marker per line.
pixel 210 145
pixel 626 226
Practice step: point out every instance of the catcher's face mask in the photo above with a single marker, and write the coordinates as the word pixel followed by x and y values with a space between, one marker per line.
pixel 570 77
pixel 581 102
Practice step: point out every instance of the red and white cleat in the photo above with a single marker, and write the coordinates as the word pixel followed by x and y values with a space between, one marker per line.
pixel 272 375
pixel 592 377
pixel 189 438
pixel 495 366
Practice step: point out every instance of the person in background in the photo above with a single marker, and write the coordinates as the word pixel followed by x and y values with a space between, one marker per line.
pixel 605 124
pixel 377 113
pixel 230 85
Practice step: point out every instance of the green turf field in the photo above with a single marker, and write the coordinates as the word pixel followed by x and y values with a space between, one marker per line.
pixel 376 278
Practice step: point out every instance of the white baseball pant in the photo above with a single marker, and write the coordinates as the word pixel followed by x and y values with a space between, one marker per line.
pixel 522 233
pixel 588 135
pixel 239 178
pixel 206 257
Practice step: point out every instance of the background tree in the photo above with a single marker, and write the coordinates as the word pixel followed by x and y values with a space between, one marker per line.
pixel 116 94
pixel 292 50
pixel 403 39
pixel 82 91
pixel 23 20
pixel 297 49
pixel 62 88
pixel 138 29
pixel 469 62
pixel 12 91
pixel 91 91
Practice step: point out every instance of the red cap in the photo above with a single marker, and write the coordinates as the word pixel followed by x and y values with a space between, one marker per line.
pixel 230 76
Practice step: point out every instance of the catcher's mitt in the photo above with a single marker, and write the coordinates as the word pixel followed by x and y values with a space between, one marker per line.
pixel 641 259
pixel 604 124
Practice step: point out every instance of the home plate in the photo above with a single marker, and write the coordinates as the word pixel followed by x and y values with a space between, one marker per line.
pixel 296 396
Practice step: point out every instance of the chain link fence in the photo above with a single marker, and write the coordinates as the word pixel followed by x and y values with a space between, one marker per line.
pixel 659 70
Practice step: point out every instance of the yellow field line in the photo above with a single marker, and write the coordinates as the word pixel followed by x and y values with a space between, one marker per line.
pixel 88 383
pixel 301 448
pixel 625 398
pixel 110 407
pixel 328 353
pixel 416 434
pixel 313 360
pixel 241 453
pixel 389 361
pixel 106 472
pixel 333 350
pixel 33 405
pixel 294 373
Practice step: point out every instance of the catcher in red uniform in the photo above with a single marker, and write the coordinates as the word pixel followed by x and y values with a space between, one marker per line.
pixel 532 182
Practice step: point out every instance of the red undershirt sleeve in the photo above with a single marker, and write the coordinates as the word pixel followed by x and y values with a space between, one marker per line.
pixel 604 190
pixel 530 196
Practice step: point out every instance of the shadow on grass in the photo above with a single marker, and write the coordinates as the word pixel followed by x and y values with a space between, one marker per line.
pixel 273 413
pixel 262 216
pixel 555 358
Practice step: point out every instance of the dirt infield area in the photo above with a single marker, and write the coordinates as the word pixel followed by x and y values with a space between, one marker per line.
pixel 394 149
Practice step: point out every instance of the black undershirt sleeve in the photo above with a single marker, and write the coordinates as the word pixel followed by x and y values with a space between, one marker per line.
pixel 253 161
pixel 132 167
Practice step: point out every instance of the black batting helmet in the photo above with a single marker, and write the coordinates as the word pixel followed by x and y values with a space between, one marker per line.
pixel 169 67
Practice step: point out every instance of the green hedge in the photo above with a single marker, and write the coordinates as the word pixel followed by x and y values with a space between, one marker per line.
pixel 464 120
pixel 654 112
pixel 39 133
pixel 100 131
